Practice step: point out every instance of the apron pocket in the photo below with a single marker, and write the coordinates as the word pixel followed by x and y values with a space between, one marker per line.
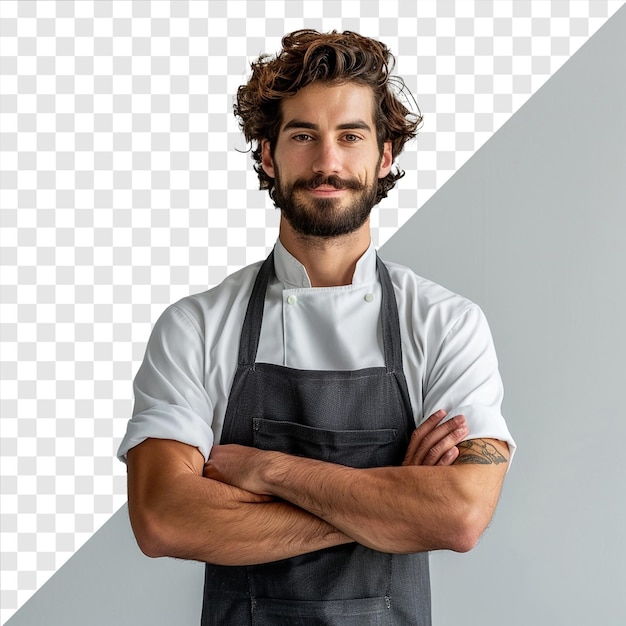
pixel 357 612
pixel 355 448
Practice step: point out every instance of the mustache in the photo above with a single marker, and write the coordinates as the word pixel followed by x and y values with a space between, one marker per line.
pixel 331 181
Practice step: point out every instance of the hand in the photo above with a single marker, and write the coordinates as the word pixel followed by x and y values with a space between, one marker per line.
pixel 433 443
pixel 238 466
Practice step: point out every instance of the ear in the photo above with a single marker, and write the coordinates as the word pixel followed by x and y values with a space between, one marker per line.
pixel 386 161
pixel 267 162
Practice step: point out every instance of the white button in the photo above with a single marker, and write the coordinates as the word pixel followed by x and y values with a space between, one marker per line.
pixel 368 297
pixel 292 299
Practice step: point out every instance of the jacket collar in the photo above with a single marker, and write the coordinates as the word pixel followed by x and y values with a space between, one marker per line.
pixel 293 274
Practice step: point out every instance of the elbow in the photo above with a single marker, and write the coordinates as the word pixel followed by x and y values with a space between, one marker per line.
pixel 150 534
pixel 151 545
pixel 469 525
pixel 473 505
pixel 458 530
pixel 464 541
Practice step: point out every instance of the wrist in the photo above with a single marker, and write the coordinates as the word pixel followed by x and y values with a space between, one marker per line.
pixel 273 468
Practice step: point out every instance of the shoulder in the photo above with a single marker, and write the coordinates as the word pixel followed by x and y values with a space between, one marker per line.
pixel 427 302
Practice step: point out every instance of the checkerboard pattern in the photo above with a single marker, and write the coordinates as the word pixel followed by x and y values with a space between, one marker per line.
pixel 125 185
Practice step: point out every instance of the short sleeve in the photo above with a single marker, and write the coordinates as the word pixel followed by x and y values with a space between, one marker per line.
pixel 171 401
pixel 464 379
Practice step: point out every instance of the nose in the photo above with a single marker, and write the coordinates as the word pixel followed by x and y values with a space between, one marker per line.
pixel 327 159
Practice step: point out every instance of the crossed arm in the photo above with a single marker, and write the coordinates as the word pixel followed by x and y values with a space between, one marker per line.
pixel 248 506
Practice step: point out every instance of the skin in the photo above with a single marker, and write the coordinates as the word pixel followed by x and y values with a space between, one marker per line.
pixel 328 131
pixel 177 509
pixel 247 506
pixel 411 508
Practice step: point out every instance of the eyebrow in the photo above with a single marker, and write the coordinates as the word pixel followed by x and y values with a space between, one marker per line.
pixel 356 124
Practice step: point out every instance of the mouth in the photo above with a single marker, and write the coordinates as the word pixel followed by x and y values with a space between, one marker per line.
pixel 326 191
pixel 328 185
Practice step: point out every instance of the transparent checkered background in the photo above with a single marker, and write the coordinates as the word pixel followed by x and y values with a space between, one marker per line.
pixel 124 186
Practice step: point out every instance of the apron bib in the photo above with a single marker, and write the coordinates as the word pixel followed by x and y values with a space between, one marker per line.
pixel 361 418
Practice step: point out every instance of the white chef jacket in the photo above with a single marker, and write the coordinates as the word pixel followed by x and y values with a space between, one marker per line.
pixel 182 387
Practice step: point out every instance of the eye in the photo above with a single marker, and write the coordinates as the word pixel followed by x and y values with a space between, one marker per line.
pixel 302 137
pixel 351 138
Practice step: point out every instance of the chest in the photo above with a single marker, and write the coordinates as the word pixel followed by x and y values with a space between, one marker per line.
pixel 322 329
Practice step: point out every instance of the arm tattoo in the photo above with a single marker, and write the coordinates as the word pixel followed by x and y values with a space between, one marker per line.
pixel 479 451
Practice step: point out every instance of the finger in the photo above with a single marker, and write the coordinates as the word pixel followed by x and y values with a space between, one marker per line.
pixel 431 422
pixel 438 441
pixel 423 441
pixel 427 426
pixel 445 446
pixel 449 457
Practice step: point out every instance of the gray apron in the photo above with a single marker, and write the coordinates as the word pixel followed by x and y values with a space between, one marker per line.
pixel 359 418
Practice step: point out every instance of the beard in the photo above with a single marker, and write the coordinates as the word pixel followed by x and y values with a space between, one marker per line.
pixel 324 217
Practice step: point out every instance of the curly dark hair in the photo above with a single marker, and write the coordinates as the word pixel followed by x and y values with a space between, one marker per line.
pixel 335 58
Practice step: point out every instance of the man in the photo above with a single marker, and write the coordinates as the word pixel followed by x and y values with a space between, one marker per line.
pixel 278 433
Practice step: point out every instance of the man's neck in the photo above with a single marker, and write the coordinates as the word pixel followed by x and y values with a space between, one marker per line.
pixel 329 262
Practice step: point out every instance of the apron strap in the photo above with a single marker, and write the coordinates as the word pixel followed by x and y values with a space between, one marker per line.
pixel 251 330
pixel 392 342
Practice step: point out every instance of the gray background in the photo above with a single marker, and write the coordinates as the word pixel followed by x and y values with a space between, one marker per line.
pixel 532 228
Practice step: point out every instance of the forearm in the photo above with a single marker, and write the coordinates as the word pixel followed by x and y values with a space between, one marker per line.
pixel 179 513
pixel 393 509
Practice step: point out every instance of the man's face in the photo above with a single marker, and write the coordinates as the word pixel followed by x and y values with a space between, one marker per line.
pixel 326 161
